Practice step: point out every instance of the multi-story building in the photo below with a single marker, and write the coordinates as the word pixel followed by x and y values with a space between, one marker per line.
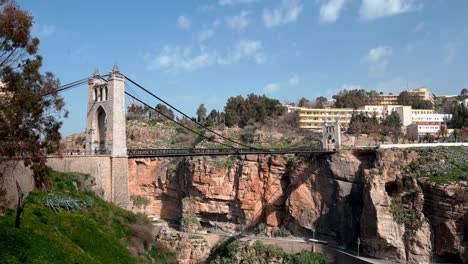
pixel 392 99
pixel 424 94
pixel 315 119
pixel 386 99
pixel 420 130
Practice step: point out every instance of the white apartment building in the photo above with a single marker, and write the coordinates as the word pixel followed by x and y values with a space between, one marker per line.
pixel 314 118
pixel 420 130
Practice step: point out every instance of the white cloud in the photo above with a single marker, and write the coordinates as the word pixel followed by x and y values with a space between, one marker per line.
pixel 287 12
pixel 294 81
pixel 235 2
pixel 239 22
pixel 179 58
pixel 183 22
pixel 378 58
pixel 205 35
pixel 419 27
pixel 450 51
pixel 374 9
pixel 330 10
pixel 45 30
pixel 245 48
pixel 271 88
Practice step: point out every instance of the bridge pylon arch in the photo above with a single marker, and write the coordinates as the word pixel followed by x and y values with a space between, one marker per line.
pixel 106 128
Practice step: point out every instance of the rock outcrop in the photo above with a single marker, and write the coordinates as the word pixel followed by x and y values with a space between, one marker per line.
pixel 344 196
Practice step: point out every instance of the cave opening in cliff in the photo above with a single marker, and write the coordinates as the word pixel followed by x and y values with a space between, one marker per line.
pixel 392 188
pixel 448 257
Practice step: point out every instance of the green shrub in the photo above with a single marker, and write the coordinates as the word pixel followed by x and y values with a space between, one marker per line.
pixel 306 257
pixel 440 164
pixel 410 218
pixel 281 232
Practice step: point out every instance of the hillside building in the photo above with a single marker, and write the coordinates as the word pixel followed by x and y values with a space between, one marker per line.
pixel 315 119
pixel 392 99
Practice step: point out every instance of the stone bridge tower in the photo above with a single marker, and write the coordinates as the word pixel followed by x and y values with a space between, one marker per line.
pixel 106 128
pixel 106 134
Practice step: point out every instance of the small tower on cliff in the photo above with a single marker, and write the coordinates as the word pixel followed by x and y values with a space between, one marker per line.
pixel 331 137
pixel 106 128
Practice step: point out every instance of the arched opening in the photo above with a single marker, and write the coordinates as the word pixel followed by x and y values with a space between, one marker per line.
pixel 102 128
pixel 393 188
pixel 100 93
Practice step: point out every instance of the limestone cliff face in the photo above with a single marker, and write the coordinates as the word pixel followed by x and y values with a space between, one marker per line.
pixel 343 196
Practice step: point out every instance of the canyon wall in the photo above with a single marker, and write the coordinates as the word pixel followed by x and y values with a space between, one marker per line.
pixel 344 196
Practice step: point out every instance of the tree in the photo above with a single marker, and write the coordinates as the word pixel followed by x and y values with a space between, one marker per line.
pixel 201 113
pixel 412 99
pixel 30 107
pixel 212 118
pixel 162 113
pixel 392 125
pixel 231 118
pixel 136 110
pixel 463 94
pixel 320 102
pixel 351 99
pixel 253 108
pixel 303 102
pixel 443 132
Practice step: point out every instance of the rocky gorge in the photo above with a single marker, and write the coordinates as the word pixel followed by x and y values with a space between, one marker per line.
pixel 372 195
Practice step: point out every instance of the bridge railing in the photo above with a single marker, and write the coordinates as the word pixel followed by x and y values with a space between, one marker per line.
pixel 216 151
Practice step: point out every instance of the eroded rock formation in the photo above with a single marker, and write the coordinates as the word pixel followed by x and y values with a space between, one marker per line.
pixel 344 196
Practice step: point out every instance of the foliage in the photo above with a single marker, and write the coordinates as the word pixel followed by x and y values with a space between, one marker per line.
pixel 201 113
pixel 234 251
pixel 409 217
pixel 161 113
pixel 253 108
pixel 80 140
pixel 281 232
pixel 260 228
pixel 353 98
pixel 65 202
pixel 415 101
pixel 139 201
pixel 101 233
pixel 306 257
pixel 392 125
pixel 440 164
pixel 30 106
pixel 459 116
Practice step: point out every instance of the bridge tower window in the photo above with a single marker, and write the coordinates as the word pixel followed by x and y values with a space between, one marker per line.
pixel 95 95
pixel 102 128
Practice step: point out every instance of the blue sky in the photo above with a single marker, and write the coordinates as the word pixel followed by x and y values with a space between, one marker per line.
pixel 193 52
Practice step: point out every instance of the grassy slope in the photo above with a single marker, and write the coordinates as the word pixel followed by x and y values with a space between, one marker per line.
pixel 170 135
pixel 440 164
pixel 100 233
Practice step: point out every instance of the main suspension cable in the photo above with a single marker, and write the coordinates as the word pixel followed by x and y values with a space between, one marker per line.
pixel 182 113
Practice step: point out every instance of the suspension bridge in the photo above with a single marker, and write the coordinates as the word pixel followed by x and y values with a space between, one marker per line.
pixel 106 129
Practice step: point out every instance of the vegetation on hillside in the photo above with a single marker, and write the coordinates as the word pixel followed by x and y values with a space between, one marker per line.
pixel 235 251
pixel 71 225
pixel 440 164
pixel 29 107
pixel 390 126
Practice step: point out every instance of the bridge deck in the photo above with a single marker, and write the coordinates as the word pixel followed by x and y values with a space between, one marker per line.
pixel 142 153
